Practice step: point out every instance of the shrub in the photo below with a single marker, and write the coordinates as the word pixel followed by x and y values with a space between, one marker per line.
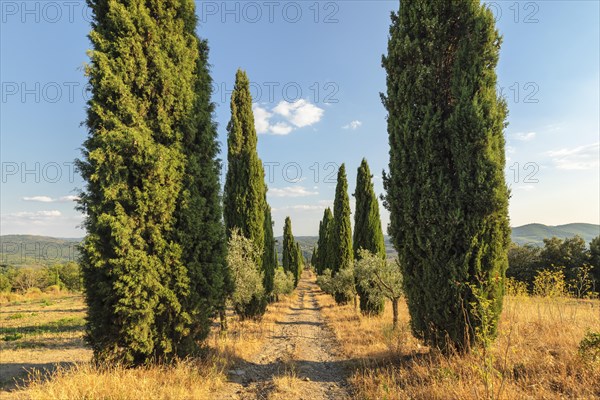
pixel 283 282
pixel 589 347
pixel 515 288
pixel 248 295
pixel 550 284
pixel 5 284
pixel 28 278
pixel 344 288
pixel 325 282
pixel 52 289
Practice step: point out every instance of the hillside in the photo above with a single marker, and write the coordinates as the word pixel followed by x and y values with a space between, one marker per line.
pixel 44 250
pixel 536 233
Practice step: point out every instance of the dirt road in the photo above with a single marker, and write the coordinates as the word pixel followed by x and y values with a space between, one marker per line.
pixel 298 361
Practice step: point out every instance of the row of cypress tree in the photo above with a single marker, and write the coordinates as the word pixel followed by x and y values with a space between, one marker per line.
pixel 154 257
pixel 337 246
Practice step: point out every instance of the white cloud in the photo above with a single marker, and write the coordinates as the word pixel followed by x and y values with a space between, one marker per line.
pixel 261 118
pixel 291 191
pixel 525 136
pixel 300 113
pixel 280 128
pixel 48 199
pixel 354 125
pixel 41 199
pixel 295 115
pixel 578 158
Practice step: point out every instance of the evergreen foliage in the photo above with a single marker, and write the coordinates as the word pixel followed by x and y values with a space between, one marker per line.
pixel 368 234
pixel 137 284
pixel 245 190
pixel 324 242
pixel 446 190
pixel 341 239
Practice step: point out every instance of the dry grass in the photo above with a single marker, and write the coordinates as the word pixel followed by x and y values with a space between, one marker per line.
pixel 66 373
pixel 534 357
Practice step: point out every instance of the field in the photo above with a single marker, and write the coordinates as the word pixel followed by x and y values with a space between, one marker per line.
pixel 308 347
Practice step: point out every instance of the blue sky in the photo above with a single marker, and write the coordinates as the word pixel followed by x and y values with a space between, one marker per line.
pixel 316 73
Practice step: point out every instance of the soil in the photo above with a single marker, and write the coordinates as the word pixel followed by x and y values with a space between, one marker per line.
pixel 300 346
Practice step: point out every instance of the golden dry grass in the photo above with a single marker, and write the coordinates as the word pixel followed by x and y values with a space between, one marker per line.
pixel 79 379
pixel 534 357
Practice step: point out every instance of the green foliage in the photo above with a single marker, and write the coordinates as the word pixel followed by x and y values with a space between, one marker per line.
pixel 269 264
pixel 595 260
pixel 589 347
pixel 379 279
pixel 582 285
pixel 299 262
pixel 313 257
pixel 143 75
pixel 446 190
pixel 367 230
pixel 199 226
pixel 245 190
pixel 248 296
pixel 292 255
pixel 324 245
pixel 283 282
pixel 342 256
pixel 570 253
pixel 523 263
pixel 325 282
pixel 550 283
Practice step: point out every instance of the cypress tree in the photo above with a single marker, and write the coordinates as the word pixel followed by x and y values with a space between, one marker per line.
pixel 313 257
pixel 367 230
pixel 142 76
pixel 341 240
pixel 299 262
pixel 290 250
pixel 270 253
pixel 446 191
pixel 200 228
pixel 245 190
pixel 324 243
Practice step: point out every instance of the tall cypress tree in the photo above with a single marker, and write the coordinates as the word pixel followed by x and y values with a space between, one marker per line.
pixel 290 250
pixel 367 230
pixel 245 190
pixel 446 190
pixel 324 244
pixel 341 240
pixel 313 257
pixel 142 76
pixel 270 253
pixel 299 262
pixel 200 228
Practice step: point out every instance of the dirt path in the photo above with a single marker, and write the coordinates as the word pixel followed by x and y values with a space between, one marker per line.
pixel 298 361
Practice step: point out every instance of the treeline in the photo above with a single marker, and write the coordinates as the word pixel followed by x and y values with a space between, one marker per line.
pixel 47 278
pixel 165 250
pixel 571 259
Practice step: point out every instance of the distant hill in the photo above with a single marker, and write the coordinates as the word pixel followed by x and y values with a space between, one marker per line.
pixel 536 233
pixel 24 250
pixel 44 250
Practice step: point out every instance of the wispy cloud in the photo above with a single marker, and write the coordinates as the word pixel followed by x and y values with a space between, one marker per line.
pixel 48 199
pixel 578 158
pixel 292 191
pixel 525 136
pixel 354 125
